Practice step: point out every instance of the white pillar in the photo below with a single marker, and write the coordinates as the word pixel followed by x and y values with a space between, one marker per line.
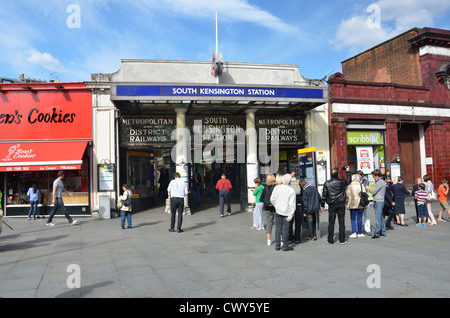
pixel 252 157
pixel 183 147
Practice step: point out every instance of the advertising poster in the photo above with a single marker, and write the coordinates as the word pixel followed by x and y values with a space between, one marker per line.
pixel 364 156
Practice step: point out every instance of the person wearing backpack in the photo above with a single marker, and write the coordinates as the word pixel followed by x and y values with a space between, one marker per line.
pixel 126 199
pixel 353 193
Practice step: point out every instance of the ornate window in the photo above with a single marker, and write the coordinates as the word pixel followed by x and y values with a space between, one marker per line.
pixel 447 78
pixel 443 74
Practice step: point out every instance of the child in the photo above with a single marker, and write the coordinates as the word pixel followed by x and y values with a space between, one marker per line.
pixel 421 197
pixel 442 198
pixel 258 223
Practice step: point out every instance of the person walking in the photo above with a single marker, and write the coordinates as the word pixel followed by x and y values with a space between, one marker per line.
pixel 258 223
pixel 429 188
pixel 442 198
pixel 269 209
pixel 34 194
pixel 125 205
pixel 58 204
pixel 378 192
pixel 353 193
pixel 399 191
pixel 311 206
pixel 283 199
pixel 334 195
pixel 177 190
pixel 224 187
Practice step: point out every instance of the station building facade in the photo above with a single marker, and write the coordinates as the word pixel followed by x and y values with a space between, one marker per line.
pixel 390 107
pixel 157 116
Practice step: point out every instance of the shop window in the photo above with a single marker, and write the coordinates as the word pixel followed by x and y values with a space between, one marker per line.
pixel 76 182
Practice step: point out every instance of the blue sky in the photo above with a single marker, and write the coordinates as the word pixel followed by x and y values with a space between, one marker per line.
pixel 70 39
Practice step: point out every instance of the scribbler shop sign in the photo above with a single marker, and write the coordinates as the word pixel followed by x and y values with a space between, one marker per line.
pixel 46 115
pixel 364 138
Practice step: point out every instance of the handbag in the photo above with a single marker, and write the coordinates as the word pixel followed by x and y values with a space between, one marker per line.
pixel 432 197
pixel 127 202
pixel 364 201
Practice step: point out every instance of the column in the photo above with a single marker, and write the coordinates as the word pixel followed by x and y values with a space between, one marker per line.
pixel 182 148
pixel 252 157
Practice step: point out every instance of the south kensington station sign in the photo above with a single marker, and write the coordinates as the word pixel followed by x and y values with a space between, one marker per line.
pixel 218 91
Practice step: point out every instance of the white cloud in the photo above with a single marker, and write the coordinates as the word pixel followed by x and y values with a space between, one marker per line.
pixel 357 34
pixel 45 60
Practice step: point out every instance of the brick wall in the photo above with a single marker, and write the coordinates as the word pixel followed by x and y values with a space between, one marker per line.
pixel 437 135
pixel 394 61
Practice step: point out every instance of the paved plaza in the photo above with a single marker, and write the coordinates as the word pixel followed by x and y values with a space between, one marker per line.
pixel 217 258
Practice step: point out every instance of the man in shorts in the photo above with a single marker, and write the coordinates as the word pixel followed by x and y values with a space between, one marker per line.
pixel 442 198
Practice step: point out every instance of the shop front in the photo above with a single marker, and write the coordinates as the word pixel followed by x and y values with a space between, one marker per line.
pixel 45 128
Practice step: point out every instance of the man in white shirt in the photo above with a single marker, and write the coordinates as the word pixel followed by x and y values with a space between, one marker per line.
pixel 177 190
pixel 284 200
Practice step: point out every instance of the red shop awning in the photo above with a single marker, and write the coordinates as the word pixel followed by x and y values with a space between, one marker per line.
pixel 41 156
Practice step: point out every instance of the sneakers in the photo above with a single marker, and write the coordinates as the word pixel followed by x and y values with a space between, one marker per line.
pixel 353 235
pixel 269 242
pixel 361 235
pixel 52 224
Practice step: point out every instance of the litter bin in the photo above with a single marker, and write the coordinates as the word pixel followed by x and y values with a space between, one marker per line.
pixel 104 211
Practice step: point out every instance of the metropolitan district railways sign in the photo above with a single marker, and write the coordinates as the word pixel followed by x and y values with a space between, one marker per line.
pixel 147 130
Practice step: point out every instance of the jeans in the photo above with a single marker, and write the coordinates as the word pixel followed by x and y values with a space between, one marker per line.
pixel 196 194
pixel 33 208
pixel 356 220
pixel 224 197
pixel 128 216
pixel 176 205
pixel 59 205
pixel 339 210
pixel 281 229
pixel 380 225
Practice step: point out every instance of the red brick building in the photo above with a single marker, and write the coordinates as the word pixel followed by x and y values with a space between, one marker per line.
pixel 390 107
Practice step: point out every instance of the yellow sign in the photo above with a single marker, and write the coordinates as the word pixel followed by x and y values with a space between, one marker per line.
pixel 306 150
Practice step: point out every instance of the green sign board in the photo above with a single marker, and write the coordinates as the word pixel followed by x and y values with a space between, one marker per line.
pixel 360 137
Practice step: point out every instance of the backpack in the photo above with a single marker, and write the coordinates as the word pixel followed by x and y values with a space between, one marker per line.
pixel 364 201
pixel 127 202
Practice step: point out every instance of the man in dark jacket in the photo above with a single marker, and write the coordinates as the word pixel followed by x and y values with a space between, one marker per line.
pixel 311 205
pixel 334 195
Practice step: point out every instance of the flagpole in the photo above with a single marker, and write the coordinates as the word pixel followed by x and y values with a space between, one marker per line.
pixel 217 44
